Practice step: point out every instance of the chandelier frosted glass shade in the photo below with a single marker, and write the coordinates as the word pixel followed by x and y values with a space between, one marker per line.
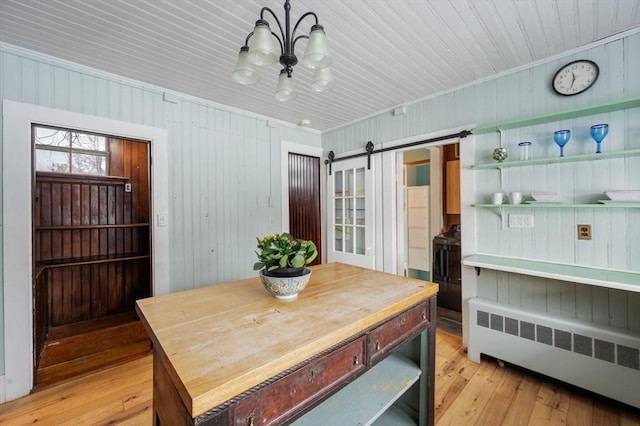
pixel 285 91
pixel 317 54
pixel 263 49
pixel 322 80
pixel 244 72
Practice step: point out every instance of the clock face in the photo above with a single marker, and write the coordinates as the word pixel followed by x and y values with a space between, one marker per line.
pixel 575 77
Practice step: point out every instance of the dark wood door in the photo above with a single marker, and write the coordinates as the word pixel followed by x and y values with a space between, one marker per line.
pixel 304 199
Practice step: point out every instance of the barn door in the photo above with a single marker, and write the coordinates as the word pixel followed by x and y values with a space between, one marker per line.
pixel 350 213
pixel 304 200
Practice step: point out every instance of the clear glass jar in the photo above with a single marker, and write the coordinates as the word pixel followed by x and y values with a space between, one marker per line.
pixel 524 151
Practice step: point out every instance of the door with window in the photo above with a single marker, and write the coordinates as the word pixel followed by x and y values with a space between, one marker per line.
pixel 350 213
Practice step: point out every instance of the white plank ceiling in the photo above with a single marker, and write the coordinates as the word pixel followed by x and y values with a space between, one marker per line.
pixel 385 52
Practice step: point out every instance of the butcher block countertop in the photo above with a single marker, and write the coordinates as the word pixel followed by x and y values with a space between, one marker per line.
pixel 221 340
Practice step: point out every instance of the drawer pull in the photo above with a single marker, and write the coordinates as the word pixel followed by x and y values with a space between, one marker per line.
pixel 312 374
pixel 377 345
pixel 250 419
pixel 403 320
pixel 424 315
pixel 355 359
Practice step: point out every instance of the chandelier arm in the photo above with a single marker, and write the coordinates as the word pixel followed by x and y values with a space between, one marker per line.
pixel 293 45
pixel 246 40
pixel 284 38
pixel 279 41
pixel 295 27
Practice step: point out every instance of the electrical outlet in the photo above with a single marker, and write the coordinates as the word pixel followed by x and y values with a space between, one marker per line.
pixel 520 221
pixel 584 232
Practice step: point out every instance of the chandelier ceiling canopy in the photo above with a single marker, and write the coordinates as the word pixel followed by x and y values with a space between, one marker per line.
pixel 263 47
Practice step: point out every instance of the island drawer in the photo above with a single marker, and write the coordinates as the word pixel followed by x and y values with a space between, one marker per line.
pixel 397 330
pixel 278 401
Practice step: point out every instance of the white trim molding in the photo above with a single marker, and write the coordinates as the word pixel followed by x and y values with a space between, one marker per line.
pixel 17 222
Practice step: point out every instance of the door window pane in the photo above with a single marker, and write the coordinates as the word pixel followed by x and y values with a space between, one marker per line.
pixel 338 184
pixel 360 207
pixel 348 182
pixel 360 240
pixel 338 238
pixel 88 141
pixel 52 161
pixel 90 164
pixel 52 137
pixel 339 212
pixel 348 211
pixel 348 239
pixel 359 181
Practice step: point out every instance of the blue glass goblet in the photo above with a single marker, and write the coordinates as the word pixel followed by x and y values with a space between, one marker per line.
pixel 561 137
pixel 598 133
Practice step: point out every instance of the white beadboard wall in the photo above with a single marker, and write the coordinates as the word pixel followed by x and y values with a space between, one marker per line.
pixel 524 93
pixel 224 164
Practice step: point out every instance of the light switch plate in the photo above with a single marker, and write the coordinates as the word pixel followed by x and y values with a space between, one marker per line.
pixel 162 219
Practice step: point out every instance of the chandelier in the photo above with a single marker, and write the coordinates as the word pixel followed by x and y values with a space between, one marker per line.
pixel 261 49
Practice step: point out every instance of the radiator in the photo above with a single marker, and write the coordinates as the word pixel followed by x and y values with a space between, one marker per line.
pixel 600 359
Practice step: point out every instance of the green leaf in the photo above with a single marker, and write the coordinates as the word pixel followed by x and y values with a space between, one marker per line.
pixel 297 261
pixel 311 258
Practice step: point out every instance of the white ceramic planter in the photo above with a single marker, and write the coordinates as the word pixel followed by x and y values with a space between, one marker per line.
pixel 285 288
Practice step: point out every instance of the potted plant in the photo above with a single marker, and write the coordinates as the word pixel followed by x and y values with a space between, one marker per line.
pixel 282 261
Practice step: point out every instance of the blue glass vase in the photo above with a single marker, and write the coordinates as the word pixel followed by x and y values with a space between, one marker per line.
pixel 598 133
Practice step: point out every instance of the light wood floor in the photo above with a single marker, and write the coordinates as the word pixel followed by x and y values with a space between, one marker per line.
pixel 466 394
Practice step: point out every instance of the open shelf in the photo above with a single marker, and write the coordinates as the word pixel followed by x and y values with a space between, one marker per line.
pixel 97 226
pixel 365 400
pixel 562 115
pixel 621 280
pixel 90 260
pixel 561 206
pixel 552 160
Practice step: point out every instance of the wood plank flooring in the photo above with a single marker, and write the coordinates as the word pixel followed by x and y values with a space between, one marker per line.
pixel 466 394
pixel 86 346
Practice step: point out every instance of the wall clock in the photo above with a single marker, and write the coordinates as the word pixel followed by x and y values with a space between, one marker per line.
pixel 575 77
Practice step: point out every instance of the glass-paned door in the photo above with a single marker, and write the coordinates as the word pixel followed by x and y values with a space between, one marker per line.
pixel 350 192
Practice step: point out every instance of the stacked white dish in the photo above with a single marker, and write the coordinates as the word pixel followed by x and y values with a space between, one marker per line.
pixel 623 196
pixel 544 197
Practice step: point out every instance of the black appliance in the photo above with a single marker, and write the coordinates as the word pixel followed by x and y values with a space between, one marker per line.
pixel 447 268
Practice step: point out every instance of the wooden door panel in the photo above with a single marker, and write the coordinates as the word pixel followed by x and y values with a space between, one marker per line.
pixel 80 220
pixel 304 199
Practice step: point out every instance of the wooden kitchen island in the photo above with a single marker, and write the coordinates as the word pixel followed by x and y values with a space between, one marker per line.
pixel 355 347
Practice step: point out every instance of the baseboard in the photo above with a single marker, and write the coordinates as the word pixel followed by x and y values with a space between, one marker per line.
pixel 3 394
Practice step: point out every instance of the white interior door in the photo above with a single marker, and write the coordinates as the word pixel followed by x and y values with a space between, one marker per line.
pixel 417 216
pixel 350 213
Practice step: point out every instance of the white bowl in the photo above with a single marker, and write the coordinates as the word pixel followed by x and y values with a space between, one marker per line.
pixel 627 195
pixel 544 196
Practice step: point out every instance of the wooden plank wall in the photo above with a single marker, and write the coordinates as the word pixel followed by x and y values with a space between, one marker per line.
pixel 87 229
pixel 131 159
